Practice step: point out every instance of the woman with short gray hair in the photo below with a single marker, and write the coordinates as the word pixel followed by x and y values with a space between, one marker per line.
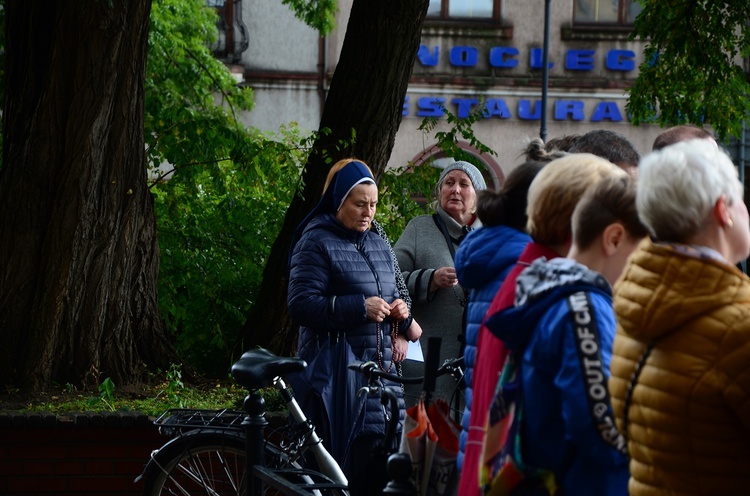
pixel 681 185
pixel 680 380
pixel 425 252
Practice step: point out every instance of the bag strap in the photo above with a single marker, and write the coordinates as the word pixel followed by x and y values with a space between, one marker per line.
pixel 631 386
pixel 588 347
pixel 449 240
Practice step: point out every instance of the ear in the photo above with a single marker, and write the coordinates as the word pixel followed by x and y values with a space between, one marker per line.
pixel 612 238
pixel 721 212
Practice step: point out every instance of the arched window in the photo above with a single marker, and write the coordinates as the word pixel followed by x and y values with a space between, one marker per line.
pixel 491 170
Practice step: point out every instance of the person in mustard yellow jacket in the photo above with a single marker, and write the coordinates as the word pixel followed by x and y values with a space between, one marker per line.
pixel 687 420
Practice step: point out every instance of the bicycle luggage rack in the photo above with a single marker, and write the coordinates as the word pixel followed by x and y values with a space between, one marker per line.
pixel 180 420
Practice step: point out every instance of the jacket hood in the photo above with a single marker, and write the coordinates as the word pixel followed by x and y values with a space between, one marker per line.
pixel 485 253
pixel 545 275
pixel 662 289
pixel 538 287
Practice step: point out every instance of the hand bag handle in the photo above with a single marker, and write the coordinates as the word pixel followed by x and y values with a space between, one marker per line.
pixel 631 386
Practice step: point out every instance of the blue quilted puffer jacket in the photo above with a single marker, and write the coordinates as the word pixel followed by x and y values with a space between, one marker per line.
pixel 483 260
pixel 332 271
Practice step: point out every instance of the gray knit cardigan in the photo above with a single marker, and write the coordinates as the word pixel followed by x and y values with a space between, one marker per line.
pixel 421 250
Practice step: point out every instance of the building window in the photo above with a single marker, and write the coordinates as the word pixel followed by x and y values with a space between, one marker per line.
pixel 233 38
pixel 464 9
pixel 617 12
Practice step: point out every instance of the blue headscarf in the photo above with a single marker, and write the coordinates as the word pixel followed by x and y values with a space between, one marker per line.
pixel 342 183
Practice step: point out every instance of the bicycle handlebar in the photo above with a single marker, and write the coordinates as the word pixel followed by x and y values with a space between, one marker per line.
pixel 372 371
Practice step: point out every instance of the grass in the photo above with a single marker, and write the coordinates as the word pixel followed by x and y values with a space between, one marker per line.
pixel 150 399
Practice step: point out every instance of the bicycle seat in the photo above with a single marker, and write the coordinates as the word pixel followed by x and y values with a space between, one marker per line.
pixel 258 368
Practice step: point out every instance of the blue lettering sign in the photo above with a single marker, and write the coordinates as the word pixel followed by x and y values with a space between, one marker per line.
pixel 464 56
pixel 579 60
pixel 572 108
pixel 526 113
pixel 501 57
pixel 428 58
pixel 528 110
pixel 606 110
pixel 506 57
pixel 536 57
pixel 463 106
pixel 430 106
pixel 496 108
pixel 620 60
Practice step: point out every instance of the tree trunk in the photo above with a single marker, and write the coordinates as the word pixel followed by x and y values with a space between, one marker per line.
pixel 78 252
pixel 366 95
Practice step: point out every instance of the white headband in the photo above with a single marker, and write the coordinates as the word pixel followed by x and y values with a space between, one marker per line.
pixel 362 180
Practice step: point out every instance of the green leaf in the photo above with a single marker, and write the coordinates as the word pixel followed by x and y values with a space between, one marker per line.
pixel 318 14
pixel 692 71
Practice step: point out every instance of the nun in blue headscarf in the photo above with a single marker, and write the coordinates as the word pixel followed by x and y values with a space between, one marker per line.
pixel 343 295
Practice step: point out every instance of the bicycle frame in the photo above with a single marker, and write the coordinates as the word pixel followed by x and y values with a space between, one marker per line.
pixel 259 369
pixel 326 463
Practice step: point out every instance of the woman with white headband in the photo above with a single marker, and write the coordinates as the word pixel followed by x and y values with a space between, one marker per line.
pixel 343 294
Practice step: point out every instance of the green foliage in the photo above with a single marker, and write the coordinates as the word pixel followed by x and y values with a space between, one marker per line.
pixel 192 99
pixel 447 141
pixel 228 191
pixel 148 399
pixel 175 384
pixel 403 194
pixel 106 395
pixel 406 192
pixel 318 14
pixel 216 227
pixel 692 72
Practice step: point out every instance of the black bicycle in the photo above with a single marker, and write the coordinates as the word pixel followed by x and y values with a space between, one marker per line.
pixel 233 452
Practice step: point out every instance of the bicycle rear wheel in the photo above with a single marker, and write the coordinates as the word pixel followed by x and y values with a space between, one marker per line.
pixel 213 463
pixel 198 463
pixel 203 462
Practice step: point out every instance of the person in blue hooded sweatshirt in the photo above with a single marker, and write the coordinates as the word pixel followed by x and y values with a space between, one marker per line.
pixel 561 331
pixel 484 259
pixel 343 294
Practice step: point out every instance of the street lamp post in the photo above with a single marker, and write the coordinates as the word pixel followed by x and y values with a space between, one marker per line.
pixel 545 72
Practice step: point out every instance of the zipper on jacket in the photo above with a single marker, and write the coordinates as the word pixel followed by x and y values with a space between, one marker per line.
pixel 361 249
